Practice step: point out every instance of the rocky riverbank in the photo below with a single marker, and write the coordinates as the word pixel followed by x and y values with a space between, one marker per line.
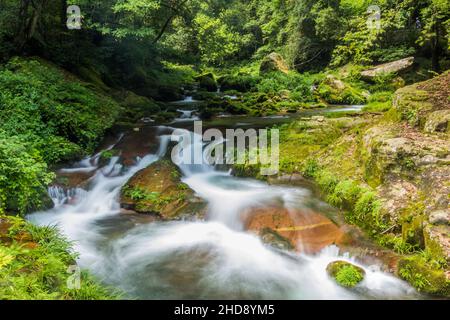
pixel 390 173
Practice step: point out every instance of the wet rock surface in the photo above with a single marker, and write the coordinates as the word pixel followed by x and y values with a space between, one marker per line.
pixel 306 231
pixel 158 190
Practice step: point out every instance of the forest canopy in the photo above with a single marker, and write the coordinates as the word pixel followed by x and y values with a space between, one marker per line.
pixel 310 34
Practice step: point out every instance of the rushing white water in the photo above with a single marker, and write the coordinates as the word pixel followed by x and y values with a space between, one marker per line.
pixel 188 99
pixel 187 115
pixel 89 164
pixel 210 259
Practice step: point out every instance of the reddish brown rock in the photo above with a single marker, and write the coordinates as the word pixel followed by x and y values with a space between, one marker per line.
pixel 158 190
pixel 307 231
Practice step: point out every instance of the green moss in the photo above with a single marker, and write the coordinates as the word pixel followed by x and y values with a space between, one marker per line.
pixel 345 194
pixel 138 194
pixel 433 252
pixel 239 82
pixel 207 82
pixel 392 115
pixel 378 106
pixel 165 116
pixel 424 275
pixel 348 276
pixel 410 103
pixel 340 93
pixel 345 274
pixel 412 232
pixel 90 75
pixel 395 243
pixel 106 156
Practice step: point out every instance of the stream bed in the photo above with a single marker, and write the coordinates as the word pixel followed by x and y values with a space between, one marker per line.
pixel 212 259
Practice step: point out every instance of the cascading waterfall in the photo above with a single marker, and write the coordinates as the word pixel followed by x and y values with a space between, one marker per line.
pixel 204 259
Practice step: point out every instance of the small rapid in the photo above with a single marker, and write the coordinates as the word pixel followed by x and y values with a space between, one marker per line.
pixel 212 259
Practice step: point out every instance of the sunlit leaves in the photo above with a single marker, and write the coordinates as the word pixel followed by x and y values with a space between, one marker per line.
pixel 216 40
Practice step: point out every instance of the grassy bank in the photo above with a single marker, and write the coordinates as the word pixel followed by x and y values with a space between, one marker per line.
pixel 371 167
pixel 35 263
pixel 47 116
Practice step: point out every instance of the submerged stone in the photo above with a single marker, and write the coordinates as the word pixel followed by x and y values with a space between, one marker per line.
pixel 304 231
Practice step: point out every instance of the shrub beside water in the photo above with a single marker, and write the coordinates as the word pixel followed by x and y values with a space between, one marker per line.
pixel 34 264
pixel 46 116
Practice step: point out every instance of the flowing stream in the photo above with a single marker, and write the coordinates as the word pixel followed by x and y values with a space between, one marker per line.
pixel 212 259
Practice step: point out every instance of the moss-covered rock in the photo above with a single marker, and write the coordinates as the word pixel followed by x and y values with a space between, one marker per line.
pixel 424 276
pixel 106 156
pixel 390 67
pixel 158 190
pixel 135 106
pixel 437 121
pixel 345 273
pixel 418 103
pixel 412 231
pixel 240 82
pixel 335 91
pixel 92 76
pixel 207 81
pixel 273 62
pixel 202 95
pixel 168 93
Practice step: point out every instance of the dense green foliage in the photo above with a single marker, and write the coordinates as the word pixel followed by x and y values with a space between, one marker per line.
pixel 23 176
pixel 46 116
pixel 52 110
pixel 146 53
pixel 34 264
pixel 128 39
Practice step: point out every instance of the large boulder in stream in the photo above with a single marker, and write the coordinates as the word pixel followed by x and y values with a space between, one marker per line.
pixel 391 67
pixel 158 190
pixel 305 231
pixel 273 62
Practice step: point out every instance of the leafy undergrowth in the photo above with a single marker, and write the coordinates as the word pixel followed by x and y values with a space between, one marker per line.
pixel 46 116
pixel 425 273
pixel 38 263
pixel 57 113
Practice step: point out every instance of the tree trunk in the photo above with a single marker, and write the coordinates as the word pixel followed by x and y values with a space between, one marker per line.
pixel 23 22
pixel 63 14
pixel 436 50
pixel 29 21
pixel 163 29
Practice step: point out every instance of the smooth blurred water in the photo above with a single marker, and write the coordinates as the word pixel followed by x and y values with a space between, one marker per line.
pixel 213 259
